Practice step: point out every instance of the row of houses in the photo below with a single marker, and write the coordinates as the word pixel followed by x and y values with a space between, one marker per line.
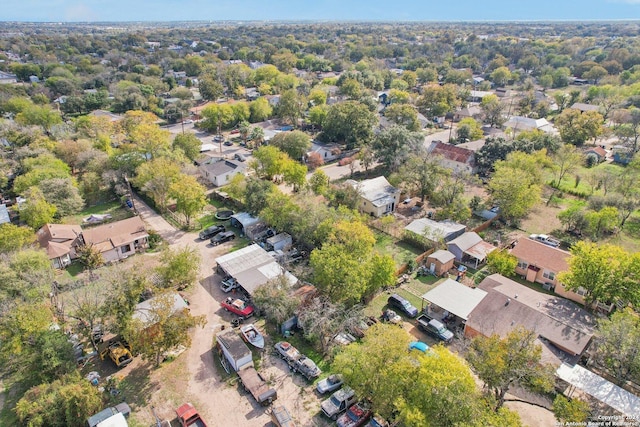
pixel 115 241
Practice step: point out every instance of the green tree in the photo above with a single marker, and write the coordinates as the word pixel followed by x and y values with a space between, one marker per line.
pixel 500 76
pixel 150 140
pixel 437 100
pixel 570 411
pixel 296 143
pixel 39 115
pixel 350 122
pixel 14 238
pixel 164 330
pixel 275 300
pixel 421 175
pixel 403 115
pixel 290 106
pixel 602 221
pixel 566 160
pixel 616 345
pixel 190 196
pixel 516 183
pixel 68 401
pixel 179 268
pixel 90 257
pixel 394 146
pixel 63 194
pixel 318 114
pixel 374 374
pixel 492 109
pixel 319 182
pixel 596 269
pixel 189 144
pixel 52 356
pixel 268 162
pixel 155 178
pixel 38 169
pixel 257 194
pixel 295 174
pixel 515 359
pixel 502 262
pixel 576 127
pixel 469 129
pixel 36 211
pixel 260 110
pixel 210 88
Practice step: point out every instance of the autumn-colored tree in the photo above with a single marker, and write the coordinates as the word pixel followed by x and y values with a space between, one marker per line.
pixel 515 359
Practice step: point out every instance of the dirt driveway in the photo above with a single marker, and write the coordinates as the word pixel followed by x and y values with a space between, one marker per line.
pixel 193 376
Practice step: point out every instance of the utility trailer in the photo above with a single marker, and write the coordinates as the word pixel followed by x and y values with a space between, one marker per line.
pixel 235 353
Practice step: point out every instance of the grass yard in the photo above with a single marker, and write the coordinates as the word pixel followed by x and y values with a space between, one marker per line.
pixel 377 305
pixel 115 209
pixel 401 252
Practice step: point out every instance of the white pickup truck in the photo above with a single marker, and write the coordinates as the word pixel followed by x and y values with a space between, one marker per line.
pixel 545 239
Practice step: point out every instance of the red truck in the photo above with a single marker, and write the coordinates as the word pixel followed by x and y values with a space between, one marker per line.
pixel 188 416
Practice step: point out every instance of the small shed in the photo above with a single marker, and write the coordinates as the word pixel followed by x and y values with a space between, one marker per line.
pixel 279 242
pixel 440 262
pixel 246 223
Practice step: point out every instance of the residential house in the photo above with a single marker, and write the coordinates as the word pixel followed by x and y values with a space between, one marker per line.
pixel 117 240
pixel 251 267
pixel 519 123
pixel 251 93
pixel 453 157
pixel 435 231
pixel 146 311
pixel 220 171
pixel 477 95
pixel 469 248
pixel 377 196
pixel 8 78
pixel 540 263
pixel 472 111
pixel 60 242
pixel 502 92
pixel 583 108
pixel 328 152
pixel 599 152
pixel 440 262
pixel 564 330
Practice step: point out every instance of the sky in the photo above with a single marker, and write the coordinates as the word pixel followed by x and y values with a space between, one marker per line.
pixel 317 10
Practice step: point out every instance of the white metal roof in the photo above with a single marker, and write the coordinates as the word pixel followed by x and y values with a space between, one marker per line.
pixel 603 390
pixel 117 420
pixel 144 313
pixel 252 266
pixel 455 297
pixel 434 230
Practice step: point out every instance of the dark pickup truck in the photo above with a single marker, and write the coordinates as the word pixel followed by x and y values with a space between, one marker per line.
pixel 434 328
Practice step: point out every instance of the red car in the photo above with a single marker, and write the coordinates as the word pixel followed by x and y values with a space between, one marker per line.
pixel 356 416
pixel 238 307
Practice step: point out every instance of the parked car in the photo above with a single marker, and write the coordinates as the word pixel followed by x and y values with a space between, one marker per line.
pixel 403 305
pixel 209 232
pixel 297 361
pixel 338 402
pixel 220 238
pixel 229 284
pixel 228 143
pixel 329 384
pixel 238 307
pixel 434 328
pixel 356 416
pixel 218 138
pixel 547 240
pixel 239 157
pixel 391 316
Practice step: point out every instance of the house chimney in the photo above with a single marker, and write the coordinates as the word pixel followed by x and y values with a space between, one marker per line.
pixel 516 296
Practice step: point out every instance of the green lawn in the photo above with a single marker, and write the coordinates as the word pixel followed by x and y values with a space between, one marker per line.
pixel 379 303
pixel 115 209
pixel 401 252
